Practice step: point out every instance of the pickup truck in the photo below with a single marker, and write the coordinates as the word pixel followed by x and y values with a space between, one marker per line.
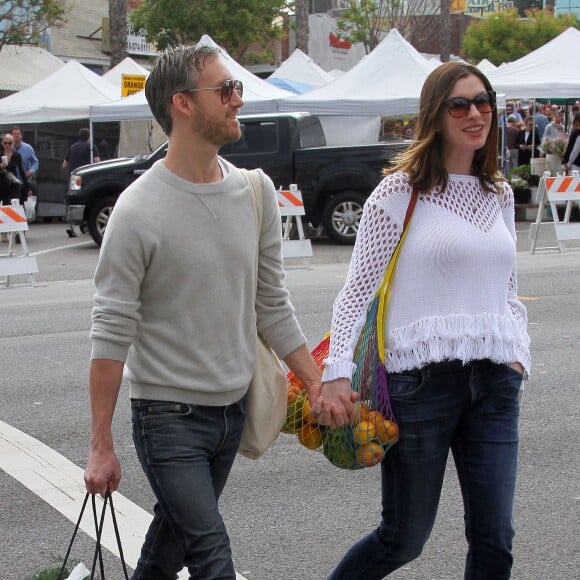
pixel 289 147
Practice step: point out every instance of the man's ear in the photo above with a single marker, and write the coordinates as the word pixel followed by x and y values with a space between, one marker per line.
pixel 181 103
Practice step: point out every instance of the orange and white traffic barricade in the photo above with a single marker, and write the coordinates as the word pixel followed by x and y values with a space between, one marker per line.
pixel 561 192
pixel 12 263
pixel 291 210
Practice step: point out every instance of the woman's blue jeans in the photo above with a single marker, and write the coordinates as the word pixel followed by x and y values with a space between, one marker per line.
pixel 473 410
pixel 187 452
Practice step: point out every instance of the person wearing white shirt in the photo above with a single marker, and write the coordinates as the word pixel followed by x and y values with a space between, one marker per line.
pixel 456 340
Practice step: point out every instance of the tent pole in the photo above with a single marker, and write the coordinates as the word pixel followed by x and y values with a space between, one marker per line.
pixel 91 138
pixel 503 132
pixel 533 130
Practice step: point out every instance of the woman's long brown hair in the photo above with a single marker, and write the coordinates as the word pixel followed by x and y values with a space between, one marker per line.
pixel 423 160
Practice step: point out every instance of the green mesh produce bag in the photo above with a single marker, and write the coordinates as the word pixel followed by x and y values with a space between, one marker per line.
pixel 362 444
pixel 374 429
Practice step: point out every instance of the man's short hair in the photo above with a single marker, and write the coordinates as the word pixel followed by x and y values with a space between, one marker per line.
pixel 175 69
pixel 84 134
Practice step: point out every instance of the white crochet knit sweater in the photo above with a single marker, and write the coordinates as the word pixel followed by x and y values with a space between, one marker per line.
pixel 454 295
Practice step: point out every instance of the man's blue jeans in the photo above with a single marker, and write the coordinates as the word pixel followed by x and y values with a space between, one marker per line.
pixel 472 410
pixel 187 452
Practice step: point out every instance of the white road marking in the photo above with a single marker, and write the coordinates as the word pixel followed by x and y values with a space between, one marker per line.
pixel 59 482
pixel 58 248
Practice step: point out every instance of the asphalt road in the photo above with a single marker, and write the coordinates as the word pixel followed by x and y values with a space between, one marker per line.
pixel 290 515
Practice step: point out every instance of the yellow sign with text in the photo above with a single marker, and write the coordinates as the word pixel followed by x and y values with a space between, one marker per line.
pixel 131 84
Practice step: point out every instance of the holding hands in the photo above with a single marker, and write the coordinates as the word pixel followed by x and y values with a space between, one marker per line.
pixel 335 405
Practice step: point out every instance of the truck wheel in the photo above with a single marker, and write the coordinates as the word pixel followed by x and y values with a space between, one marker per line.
pixel 99 218
pixel 341 216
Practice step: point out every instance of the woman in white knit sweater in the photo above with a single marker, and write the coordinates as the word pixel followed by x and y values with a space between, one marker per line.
pixel 456 333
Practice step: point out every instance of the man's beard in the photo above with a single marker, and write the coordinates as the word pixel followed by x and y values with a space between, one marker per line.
pixel 216 133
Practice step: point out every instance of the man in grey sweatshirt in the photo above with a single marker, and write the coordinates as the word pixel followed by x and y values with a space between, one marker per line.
pixel 177 308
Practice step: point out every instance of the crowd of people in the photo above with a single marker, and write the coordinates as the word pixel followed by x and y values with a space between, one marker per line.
pixel 524 132
pixel 18 169
pixel 527 131
pixel 19 166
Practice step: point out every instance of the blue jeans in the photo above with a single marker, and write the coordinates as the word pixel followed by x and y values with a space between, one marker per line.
pixel 187 452
pixel 473 410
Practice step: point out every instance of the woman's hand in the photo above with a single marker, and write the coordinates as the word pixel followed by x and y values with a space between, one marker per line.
pixel 335 406
pixel 517 367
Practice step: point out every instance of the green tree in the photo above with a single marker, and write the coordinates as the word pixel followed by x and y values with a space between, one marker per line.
pixel 505 37
pixel 233 24
pixel 24 21
pixel 366 21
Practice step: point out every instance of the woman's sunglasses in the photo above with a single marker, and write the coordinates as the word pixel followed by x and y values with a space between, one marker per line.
pixel 460 106
pixel 226 90
pixel 7 142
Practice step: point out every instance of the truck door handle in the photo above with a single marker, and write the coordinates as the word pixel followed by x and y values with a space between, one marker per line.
pixel 139 171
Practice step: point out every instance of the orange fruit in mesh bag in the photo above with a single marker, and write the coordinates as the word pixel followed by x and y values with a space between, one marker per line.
pixel 374 417
pixel 361 411
pixel 310 436
pixel 294 391
pixel 363 432
pixel 294 412
pixel 306 416
pixel 369 454
pixel 387 432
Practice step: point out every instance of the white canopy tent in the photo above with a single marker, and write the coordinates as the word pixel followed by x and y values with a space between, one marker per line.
pixel 65 95
pixel 126 67
pixel 259 96
pixel 301 68
pixel 550 71
pixel 387 81
pixel 24 66
pixel 486 67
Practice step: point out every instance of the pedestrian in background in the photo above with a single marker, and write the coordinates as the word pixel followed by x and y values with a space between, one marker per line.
pixel 571 157
pixel 511 134
pixel 29 159
pixel 555 128
pixel 456 334
pixel 528 142
pixel 188 347
pixel 11 186
pixel 79 154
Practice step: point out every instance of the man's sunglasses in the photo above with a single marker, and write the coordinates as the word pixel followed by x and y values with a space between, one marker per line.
pixel 226 90
pixel 460 106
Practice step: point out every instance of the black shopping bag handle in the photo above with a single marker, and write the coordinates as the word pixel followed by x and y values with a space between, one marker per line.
pixel 99 530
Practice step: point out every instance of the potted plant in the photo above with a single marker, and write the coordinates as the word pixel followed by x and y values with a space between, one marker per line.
pixel 554 150
pixel 522 180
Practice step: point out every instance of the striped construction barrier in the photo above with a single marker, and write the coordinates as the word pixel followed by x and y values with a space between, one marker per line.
pixel 13 222
pixel 561 191
pixel 291 209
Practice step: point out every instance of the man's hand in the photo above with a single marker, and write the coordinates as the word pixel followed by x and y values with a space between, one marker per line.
pixel 103 471
pixel 335 406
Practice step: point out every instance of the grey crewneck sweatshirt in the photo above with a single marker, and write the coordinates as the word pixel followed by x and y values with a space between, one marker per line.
pixel 175 287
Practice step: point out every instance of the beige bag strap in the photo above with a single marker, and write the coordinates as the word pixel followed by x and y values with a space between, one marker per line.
pixel 255 183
